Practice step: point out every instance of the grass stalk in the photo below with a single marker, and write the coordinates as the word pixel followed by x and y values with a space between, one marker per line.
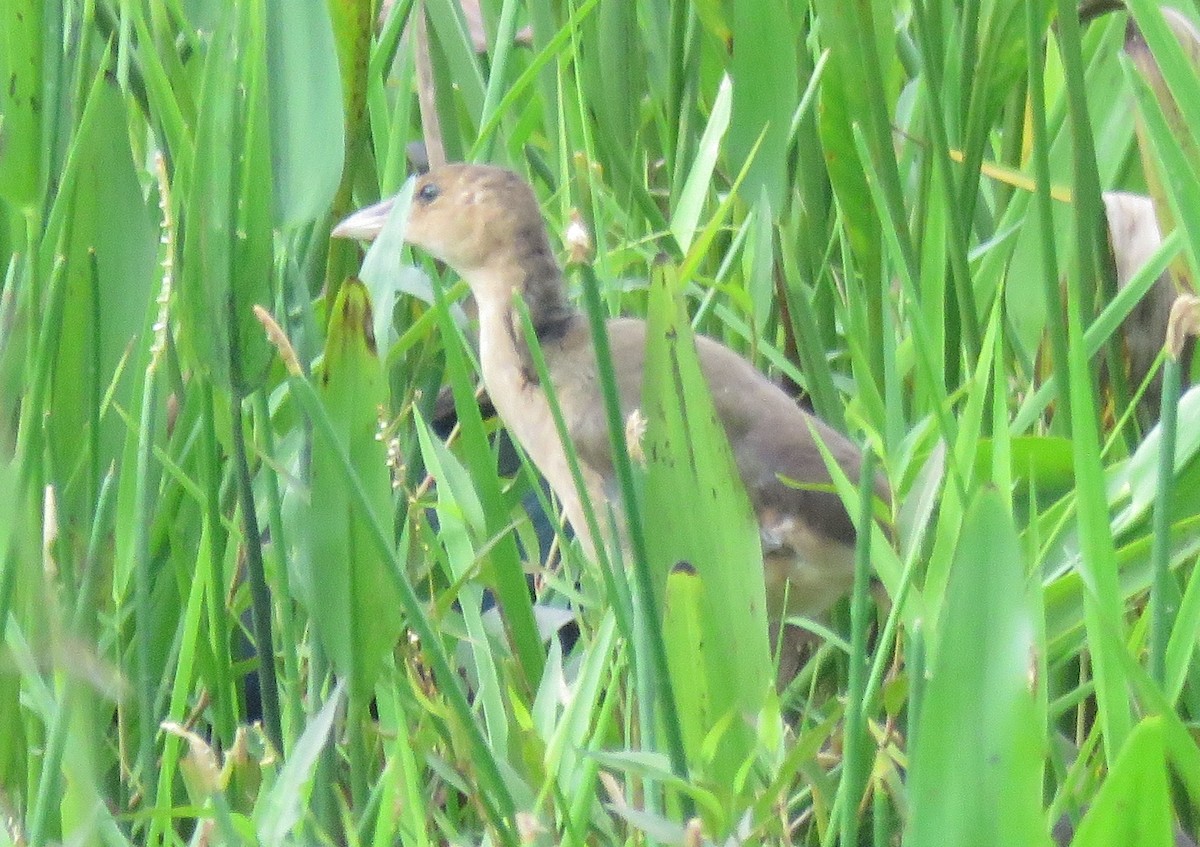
pixel 924 348
pixel 289 636
pixel 968 323
pixel 1164 592
pixel 143 578
pixel 856 758
pixel 1184 322
pixel 633 518
pixel 1040 155
pixel 260 593
pixel 1102 599
pixel 218 630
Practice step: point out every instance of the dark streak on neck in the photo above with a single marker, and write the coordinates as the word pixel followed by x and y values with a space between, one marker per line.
pixel 544 293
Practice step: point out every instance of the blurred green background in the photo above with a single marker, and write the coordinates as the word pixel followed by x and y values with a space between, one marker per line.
pixel 904 212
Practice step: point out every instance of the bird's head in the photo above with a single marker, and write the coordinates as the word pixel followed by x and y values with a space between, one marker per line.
pixel 482 221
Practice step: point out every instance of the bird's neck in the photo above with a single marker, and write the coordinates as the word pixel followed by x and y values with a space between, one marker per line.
pixel 538 279
pixel 512 382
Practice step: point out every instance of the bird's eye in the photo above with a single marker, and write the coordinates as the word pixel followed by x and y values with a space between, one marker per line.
pixel 428 193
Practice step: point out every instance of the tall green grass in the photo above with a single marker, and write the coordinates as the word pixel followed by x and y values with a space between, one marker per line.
pixel 894 209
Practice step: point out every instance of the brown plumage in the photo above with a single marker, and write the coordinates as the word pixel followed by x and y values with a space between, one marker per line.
pixel 485 223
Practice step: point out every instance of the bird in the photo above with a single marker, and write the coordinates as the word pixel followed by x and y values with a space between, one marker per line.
pixel 485 223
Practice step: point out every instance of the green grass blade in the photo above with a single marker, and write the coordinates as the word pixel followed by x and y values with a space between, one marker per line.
pixel 987 791
pixel 304 101
pixel 350 596
pixel 1132 806
pixel 21 102
pixel 765 94
pixel 691 471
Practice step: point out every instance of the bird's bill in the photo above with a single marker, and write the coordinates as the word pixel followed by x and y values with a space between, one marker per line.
pixel 365 224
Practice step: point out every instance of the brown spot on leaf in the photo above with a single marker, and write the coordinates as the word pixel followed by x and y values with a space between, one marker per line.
pixel 368 330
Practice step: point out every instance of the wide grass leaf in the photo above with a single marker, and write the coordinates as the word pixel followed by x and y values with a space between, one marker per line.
pixel 21 97
pixel 308 138
pixel 765 94
pixel 228 236
pixel 686 639
pixel 1133 806
pixel 111 250
pixel 351 598
pixel 843 100
pixel 697 512
pixel 976 766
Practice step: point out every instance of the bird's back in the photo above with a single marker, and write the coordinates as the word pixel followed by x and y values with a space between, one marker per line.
pixel 772 437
